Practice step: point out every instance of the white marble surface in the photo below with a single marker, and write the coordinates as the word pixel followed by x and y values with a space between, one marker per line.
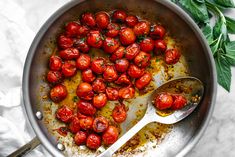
pixel 218 140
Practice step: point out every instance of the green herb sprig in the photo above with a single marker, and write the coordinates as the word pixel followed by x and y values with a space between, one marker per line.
pixel 217 35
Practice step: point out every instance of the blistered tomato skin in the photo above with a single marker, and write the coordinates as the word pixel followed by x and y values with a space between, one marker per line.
pixel 142 60
pixel 147 45
pixel 81 45
pixel 102 19
pixel 99 86
pixel 72 29
pixel 122 65
pixel 143 81
pixel 160 47
pixel 119 113
pixel 94 39
pixel 88 76
pixel 86 108
pixel 142 28
pixel 69 53
pixel 126 92
pixel 64 114
pixel 93 141
pixel 127 36
pixel 100 100
pixel 112 30
pixel 83 31
pixel 69 68
pixel 54 77
pixel 172 56
pixel 86 123
pixel 123 79
pixel 83 62
pixel 100 124
pixel 55 63
pixel 112 93
pixel 163 101
pixel 84 91
pixel 98 65
pixel 65 42
pixel 118 54
pixel 131 20
pixel 110 45
pixel 110 135
pixel 74 125
pixel 80 138
pixel 58 93
pixel 134 71
pixel 110 74
pixel 88 19
pixel 157 32
pixel 179 102
pixel 119 16
pixel 132 51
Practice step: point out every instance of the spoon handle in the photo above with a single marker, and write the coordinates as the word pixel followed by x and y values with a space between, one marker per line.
pixel 128 135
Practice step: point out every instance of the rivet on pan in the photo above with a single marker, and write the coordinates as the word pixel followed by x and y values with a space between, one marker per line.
pixel 61 147
pixel 39 115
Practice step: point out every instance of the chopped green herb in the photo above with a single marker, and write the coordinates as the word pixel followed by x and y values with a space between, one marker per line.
pixel 75 99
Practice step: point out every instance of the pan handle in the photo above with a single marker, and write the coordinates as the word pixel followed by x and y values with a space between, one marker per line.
pixel 26 148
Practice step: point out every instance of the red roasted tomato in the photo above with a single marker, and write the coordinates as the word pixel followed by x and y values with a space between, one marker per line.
pixel 58 93
pixel 81 45
pixel 110 135
pixel 110 45
pixel 118 54
pixel 119 16
pixel 100 100
pixel 123 79
pixel 83 31
pixel 127 36
pixel 112 30
pixel 119 113
pixel 157 32
pixel 86 108
pixel 172 56
pixel 110 73
pixel 143 81
pixel 83 62
pixel 84 91
pixel 160 47
pixel 179 102
pixel 131 20
pixel 72 29
pixel 69 68
pixel 112 93
pixel 100 124
pixel 88 19
pixel 147 44
pixel 102 19
pixel 142 28
pixel 64 114
pixel 86 123
pixel 126 92
pixel 142 60
pixel 65 42
pixel 134 71
pixel 93 141
pixel 122 65
pixel 55 63
pixel 74 126
pixel 163 101
pixel 80 138
pixel 131 51
pixel 99 86
pixel 69 53
pixel 94 39
pixel 88 76
pixel 98 65
pixel 54 77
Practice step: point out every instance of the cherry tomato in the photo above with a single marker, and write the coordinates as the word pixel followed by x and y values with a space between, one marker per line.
pixel 69 53
pixel 83 62
pixel 110 73
pixel 112 30
pixel 179 102
pixel 58 93
pixel 119 16
pixel 100 124
pixel 131 51
pixel 65 42
pixel 100 100
pixel 86 108
pixel 81 45
pixel 142 60
pixel 163 101
pixel 157 32
pixel 126 92
pixel 80 138
pixel 55 63
pixel 131 20
pixel 99 86
pixel 123 79
pixel 142 28
pixel 74 125
pixel 64 114
pixel 118 54
pixel 135 72
pixel 102 19
pixel 110 136
pixel 122 65
pixel 160 46
pixel 143 81
pixel 79 115
pixel 54 77
pixel 86 123
pixel 119 113
pixel 127 36
pixel 88 76
pixel 84 91
pixel 110 45
pixel 88 19
pixel 94 39
pixel 112 93
pixel 147 44
pixel 72 29
pixel 83 31
pixel 172 56
pixel 69 68
pixel 98 65
pixel 93 141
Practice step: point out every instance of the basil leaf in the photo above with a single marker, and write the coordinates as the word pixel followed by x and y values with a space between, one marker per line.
pixel 215 44
pixel 207 31
pixel 223 72
pixel 220 27
pixel 225 3
pixel 230 25
pixel 230 52
pixel 197 9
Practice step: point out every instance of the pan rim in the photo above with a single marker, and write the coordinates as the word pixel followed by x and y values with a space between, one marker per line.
pixel 25 81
